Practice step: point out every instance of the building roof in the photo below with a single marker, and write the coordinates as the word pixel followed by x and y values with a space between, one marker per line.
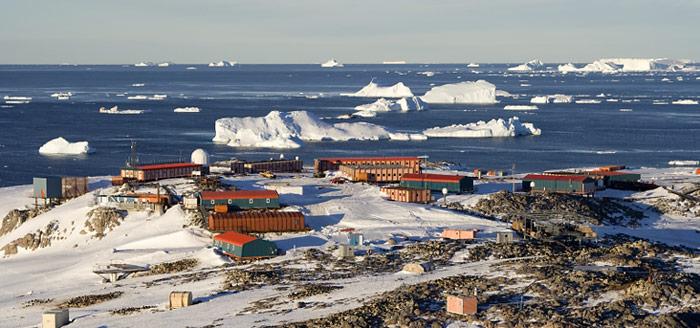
pixel 610 173
pixel 234 238
pixel 432 177
pixel 341 159
pixel 166 166
pixel 551 177
pixel 239 194
pixel 257 214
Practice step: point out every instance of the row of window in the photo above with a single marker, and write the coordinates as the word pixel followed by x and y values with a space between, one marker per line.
pixel 250 201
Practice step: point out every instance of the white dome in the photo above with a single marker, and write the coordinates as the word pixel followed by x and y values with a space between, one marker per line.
pixel 200 156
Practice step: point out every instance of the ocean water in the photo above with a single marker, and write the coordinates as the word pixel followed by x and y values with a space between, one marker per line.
pixel 572 134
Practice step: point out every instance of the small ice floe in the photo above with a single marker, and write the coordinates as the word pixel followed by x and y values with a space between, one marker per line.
pixel 520 107
pixel 62 95
pixel 187 110
pixel 685 102
pixel 115 110
pixel 17 100
pixel 588 101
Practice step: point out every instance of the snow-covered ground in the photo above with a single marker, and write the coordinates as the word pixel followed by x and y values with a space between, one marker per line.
pixel 64 269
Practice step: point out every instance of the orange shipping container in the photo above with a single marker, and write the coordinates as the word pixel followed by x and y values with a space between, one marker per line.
pixel 461 304
pixel 458 234
pixel 697 171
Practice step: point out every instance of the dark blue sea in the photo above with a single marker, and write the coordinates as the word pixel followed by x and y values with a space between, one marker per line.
pixel 572 134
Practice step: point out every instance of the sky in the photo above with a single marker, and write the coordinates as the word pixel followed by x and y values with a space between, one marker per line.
pixel 352 31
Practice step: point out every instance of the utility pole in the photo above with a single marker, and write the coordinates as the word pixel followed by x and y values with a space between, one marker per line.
pixel 512 174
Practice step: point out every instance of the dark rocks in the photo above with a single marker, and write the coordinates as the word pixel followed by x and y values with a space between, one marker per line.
pixel 87 300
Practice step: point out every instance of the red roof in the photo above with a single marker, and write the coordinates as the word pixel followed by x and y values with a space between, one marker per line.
pixel 342 159
pixel 239 194
pixel 234 238
pixel 432 177
pixel 551 177
pixel 166 166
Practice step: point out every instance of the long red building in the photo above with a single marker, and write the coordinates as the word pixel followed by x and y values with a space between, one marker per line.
pixel 257 221
pixel 153 172
pixel 333 163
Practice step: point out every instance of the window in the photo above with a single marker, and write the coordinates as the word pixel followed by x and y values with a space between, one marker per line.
pixel 267 200
pixel 250 201
pixel 230 201
pixel 213 202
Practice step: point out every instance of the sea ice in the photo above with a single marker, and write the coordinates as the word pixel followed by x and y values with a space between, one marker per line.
pixel 685 102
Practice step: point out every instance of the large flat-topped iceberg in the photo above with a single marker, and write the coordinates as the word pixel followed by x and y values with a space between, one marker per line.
pixel 491 129
pixel 479 92
pixel 60 146
pixel 373 90
pixel 290 130
pixel 533 65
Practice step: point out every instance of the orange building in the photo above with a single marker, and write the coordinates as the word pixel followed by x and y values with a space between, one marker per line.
pixel 333 163
pixel 408 195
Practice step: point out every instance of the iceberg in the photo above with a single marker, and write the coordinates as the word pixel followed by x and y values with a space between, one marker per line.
pixel 291 129
pixel 520 107
pixel 533 65
pixel 491 129
pixel 615 65
pixel 383 105
pixel 394 62
pixel 479 92
pixel 427 73
pixel 223 63
pixel 142 64
pixel 187 110
pixel 373 90
pixel 472 65
pixel 331 63
pixel 60 146
pixel 164 64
